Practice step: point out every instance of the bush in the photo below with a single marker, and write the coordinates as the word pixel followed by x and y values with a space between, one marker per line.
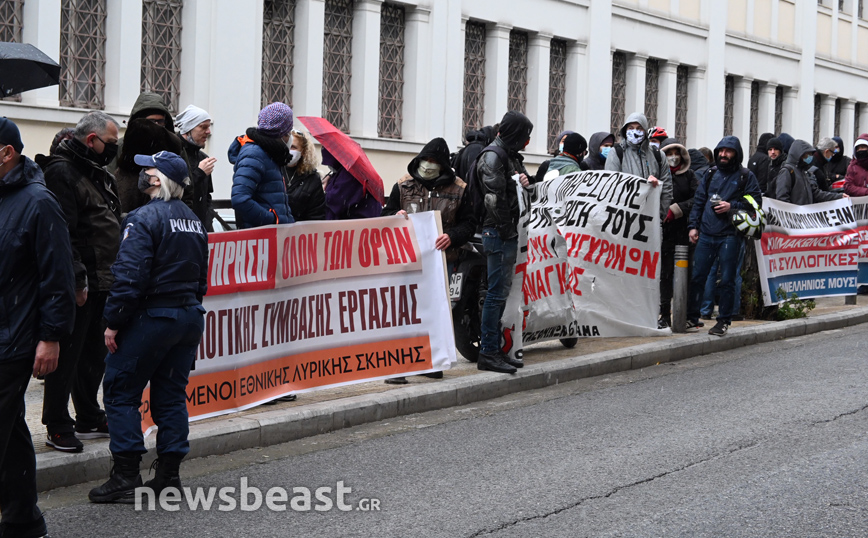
pixel 792 307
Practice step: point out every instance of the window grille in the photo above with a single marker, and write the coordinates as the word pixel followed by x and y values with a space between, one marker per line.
pixel 517 88
pixel 754 115
pixel 161 49
pixel 681 103
pixel 278 44
pixel 779 110
pixel 861 13
pixel 10 27
pixel 557 89
pixel 474 75
pixel 652 77
pixel 728 105
pixel 837 117
pixel 841 6
pixel 856 126
pixel 82 53
pixel 619 88
pixel 337 59
pixel 817 108
pixel 391 71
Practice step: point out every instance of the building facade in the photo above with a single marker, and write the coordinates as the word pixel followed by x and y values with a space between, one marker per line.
pixel 394 74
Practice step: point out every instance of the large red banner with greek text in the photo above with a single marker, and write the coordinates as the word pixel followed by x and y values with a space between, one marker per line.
pixel 588 260
pixel 313 305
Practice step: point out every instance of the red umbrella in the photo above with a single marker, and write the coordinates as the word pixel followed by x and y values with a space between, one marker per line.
pixel 348 152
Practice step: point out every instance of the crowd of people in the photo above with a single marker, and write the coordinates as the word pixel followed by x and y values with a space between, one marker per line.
pixel 84 309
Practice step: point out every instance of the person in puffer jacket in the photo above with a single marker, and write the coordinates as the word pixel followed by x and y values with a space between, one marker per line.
pixel 856 180
pixel 259 157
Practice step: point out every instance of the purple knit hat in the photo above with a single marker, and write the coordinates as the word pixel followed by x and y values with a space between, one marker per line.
pixel 275 120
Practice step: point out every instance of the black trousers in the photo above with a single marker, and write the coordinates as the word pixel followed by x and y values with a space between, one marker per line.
pixel 79 371
pixel 17 457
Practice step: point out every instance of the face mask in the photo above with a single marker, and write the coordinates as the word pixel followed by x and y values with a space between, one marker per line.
pixel 604 152
pixel 296 156
pixel 809 159
pixel 861 154
pixel 428 170
pixel 561 148
pixel 655 145
pixel 673 161
pixel 144 181
pixel 830 157
pixel 836 150
pixel 635 136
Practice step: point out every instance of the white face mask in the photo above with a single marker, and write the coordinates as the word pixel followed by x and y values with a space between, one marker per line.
pixel 635 136
pixel 655 145
pixel 428 170
pixel 673 161
pixel 296 156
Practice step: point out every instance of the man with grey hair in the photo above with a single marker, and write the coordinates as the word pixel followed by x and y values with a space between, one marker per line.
pixel 87 193
pixel 194 127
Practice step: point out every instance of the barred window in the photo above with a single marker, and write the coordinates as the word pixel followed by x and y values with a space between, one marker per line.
pixel 161 49
pixel 841 6
pixel 557 89
pixel 754 115
pixel 278 43
pixel 517 89
pixel 619 89
pixel 337 59
pixel 10 26
pixel 652 77
pixel 856 126
pixel 391 71
pixel 728 105
pixel 861 13
pixel 817 108
pixel 474 75
pixel 837 117
pixel 779 110
pixel 681 103
pixel 82 53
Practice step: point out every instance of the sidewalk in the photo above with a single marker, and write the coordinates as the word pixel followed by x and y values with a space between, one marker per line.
pixel 323 411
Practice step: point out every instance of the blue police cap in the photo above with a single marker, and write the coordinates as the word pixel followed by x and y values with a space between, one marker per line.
pixel 170 164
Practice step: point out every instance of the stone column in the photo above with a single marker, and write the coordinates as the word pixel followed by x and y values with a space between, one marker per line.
pixel 195 52
pixel 848 123
pixel 538 64
pixel 766 123
pixel 597 77
pixel 307 71
pixel 666 96
pixel 827 115
pixel 496 72
pixel 741 112
pixel 790 123
pixel 698 130
pixel 365 82
pixel 635 91
pixel 42 29
pixel 806 18
pixel 417 54
pixel 576 108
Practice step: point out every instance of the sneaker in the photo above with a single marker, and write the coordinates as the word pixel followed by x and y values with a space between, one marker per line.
pixel 96 432
pixel 65 442
pixel 694 325
pixel 663 322
pixel 396 381
pixel 719 329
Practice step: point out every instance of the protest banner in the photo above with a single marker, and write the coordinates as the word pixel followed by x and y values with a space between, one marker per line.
pixel 588 261
pixel 311 305
pixel 811 250
pixel 860 212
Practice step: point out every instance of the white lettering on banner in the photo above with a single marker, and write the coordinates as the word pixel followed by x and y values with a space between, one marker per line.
pixel 245 260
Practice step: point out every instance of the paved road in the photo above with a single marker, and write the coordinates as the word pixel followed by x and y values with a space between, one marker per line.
pixel 768 440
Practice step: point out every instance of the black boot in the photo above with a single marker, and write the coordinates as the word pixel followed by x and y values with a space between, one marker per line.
pixel 167 473
pixel 514 362
pixel 121 486
pixel 493 363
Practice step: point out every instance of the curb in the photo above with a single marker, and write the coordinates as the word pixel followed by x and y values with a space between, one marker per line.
pixel 57 469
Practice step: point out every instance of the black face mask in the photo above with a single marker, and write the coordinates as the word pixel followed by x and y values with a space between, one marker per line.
pixel 861 155
pixel 145 181
pixel 109 152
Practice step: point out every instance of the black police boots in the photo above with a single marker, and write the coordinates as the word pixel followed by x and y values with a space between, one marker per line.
pixel 494 363
pixel 166 474
pixel 121 486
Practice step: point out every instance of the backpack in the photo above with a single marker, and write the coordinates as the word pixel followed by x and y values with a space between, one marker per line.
pixel 475 191
pixel 657 155
pixel 757 220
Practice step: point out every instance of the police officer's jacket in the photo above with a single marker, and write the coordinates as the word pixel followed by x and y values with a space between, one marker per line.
pixel 162 262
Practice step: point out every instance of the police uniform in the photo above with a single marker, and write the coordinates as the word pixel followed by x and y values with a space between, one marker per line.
pixel 155 304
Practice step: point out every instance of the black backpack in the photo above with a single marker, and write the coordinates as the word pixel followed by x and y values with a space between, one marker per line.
pixel 475 191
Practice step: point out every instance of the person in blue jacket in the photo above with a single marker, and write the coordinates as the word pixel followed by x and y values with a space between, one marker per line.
pixel 258 186
pixel 719 194
pixel 154 319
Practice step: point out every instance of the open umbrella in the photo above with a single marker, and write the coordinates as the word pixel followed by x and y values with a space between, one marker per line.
pixel 23 67
pixel 348 152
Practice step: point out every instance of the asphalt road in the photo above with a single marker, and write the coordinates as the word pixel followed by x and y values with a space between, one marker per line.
pixel 768 440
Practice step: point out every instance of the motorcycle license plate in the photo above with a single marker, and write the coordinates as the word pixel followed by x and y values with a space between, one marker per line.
pixel 455 286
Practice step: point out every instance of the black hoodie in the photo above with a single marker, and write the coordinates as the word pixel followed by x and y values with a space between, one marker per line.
pixel 476 142
pixel 759 161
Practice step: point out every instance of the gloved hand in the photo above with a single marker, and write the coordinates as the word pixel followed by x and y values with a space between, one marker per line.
pixel 669 217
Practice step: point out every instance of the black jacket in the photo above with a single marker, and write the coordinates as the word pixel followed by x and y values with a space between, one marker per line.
pixel 836 168
pixel 595 161
pixel 476 142
pixel 775 166
pixel 197 195
pixel 88 196
pixel 37 286
pixel 305 194
pixel 759 161
pixel 698 164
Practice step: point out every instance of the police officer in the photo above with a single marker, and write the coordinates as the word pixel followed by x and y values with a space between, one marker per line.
pixel 155 320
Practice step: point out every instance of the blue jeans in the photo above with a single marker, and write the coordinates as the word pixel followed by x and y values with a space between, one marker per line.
pixel 725 250
pixel 712 292
pixel 159 345
pixel 501 268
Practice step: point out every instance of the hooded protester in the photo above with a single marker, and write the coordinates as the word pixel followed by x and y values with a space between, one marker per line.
pixel 675 231
pixel 303 183
pixel 834 162
pixel 759 161
pixel 477 140
pixel 786 141
pixel 640 159
pixel 495 169
pixel 777 158
pixel 194 128
pixel 346 196
pixel 796 183
pixel 543 168
pixel 698 163
pixel 598 150
pixel 856 181
pixel 712 231
pixel 258 188
pixel 570 158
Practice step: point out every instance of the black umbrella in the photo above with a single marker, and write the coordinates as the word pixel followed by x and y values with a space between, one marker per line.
pixel 23 67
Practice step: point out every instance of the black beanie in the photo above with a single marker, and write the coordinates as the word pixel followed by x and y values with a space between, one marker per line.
pixel 774 143
pixel 575 144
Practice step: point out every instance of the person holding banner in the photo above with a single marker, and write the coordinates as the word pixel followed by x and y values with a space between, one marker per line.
pixel 718 195
pixel 155 319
